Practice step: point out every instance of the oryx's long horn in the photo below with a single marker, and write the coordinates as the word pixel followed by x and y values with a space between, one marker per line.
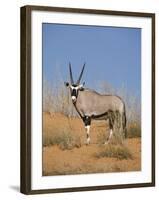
pixel 71 77
pixel 81 74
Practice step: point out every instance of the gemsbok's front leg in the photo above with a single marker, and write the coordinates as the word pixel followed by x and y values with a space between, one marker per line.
pixel 87 123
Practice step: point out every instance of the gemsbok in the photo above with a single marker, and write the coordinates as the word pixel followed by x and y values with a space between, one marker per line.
pixel 91 105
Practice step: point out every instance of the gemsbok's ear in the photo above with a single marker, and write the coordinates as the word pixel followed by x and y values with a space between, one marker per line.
pixel 66 84
pixel 81 87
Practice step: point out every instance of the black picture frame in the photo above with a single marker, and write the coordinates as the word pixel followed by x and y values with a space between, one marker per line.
pixel 25 154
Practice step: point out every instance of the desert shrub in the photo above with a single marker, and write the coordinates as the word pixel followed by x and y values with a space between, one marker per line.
pixel 56 98
pixel 114 151
pixel 48 99
pixel 65 140
pixel 134 130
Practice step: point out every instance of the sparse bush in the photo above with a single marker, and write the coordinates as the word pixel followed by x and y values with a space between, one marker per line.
pixel 65 140
pixel 56 98
pixel 134 130
pixel 48 99
pixel 114 151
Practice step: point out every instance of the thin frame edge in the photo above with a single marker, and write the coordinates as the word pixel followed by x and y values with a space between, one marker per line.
pixel 153 100
pixel 25 107
pixel 88 11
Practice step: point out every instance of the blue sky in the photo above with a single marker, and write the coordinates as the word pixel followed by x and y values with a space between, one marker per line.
pixel 112 54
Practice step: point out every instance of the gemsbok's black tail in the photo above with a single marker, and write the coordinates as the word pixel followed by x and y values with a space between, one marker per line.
pixel 124 122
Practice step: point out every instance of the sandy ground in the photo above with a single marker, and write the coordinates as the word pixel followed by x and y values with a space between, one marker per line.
pixel 82 160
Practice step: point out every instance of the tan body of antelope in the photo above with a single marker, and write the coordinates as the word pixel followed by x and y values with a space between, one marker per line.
pixel 91 105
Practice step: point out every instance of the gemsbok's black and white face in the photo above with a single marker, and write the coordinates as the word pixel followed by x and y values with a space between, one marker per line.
pixel 75 87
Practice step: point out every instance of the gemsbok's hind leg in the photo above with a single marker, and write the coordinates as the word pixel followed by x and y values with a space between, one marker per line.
pixel 111 124
pixel 87 122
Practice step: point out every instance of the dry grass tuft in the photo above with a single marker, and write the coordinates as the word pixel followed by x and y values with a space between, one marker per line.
pixel 114 151
pixel 134 130
pixel 65 140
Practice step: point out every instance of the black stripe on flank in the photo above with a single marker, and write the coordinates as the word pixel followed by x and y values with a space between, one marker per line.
pixel 98 116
